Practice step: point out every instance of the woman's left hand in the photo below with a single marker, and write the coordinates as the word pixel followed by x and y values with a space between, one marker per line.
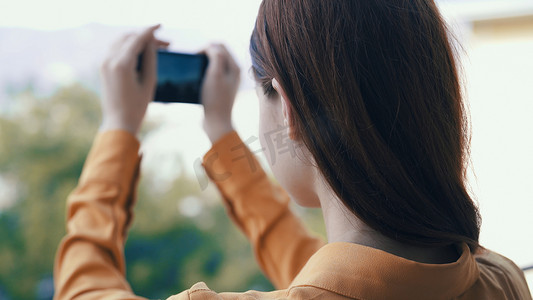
pixel 126 92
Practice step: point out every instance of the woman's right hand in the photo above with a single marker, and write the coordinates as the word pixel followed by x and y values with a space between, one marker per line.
pixel 218 91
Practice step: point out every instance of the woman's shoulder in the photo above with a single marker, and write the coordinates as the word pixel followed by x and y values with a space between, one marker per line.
pixel 200 291
pixel 488 259
pixel 501 273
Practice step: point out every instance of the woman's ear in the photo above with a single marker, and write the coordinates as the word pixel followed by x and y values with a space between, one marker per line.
pixel 287 110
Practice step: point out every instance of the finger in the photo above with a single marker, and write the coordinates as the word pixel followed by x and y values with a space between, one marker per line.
pixel 140 42
pixel 157 44
pixel 217 62
pixel 229 58
pixel 134 45
pixel 161 43
pixel 149 64
pixel 229 65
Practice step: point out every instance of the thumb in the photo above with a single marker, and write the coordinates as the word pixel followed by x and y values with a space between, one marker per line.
pixel 149 64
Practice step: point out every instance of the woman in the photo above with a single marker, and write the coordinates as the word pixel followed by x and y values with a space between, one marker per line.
pixel 361 114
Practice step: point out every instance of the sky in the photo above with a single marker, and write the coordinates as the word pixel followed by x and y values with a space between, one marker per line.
pixel 199 22
pixel 59 14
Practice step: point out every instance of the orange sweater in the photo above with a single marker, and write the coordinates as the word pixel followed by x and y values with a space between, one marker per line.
pixel 90 259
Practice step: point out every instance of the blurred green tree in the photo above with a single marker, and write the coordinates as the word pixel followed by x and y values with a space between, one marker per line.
pixel 42 149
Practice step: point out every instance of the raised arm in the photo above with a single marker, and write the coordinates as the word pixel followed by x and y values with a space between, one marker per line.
pixel 260 208
pixel 281 243
pixel 90 259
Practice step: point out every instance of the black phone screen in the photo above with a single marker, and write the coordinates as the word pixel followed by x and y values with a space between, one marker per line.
pixel 179 77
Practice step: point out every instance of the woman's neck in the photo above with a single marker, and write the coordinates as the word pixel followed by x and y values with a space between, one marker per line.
pixel 343 226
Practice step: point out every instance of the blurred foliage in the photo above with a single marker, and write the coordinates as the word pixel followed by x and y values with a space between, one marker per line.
pixel 44 143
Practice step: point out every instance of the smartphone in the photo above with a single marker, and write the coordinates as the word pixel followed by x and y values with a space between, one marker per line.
pixel 179 76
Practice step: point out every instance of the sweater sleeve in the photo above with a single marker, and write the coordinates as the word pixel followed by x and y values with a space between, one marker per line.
pixel 260 209
pixel 90 260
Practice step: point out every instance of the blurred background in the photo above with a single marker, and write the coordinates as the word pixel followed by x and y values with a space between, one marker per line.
pixel 50 52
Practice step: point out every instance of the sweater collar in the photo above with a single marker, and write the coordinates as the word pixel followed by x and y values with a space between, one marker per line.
pixel 362 272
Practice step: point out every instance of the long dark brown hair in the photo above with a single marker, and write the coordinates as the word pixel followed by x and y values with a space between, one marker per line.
pixel 377 101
